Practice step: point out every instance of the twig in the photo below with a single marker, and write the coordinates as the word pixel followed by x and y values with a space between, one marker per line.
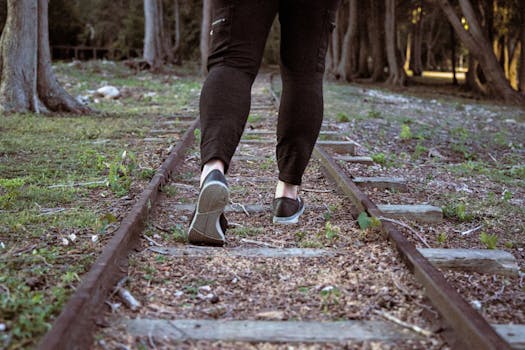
pixel 242 207
pixel 400 223
pixel 153 242
pixel 472 230
pixel 316 191
pixel 396 320
pixel 245 240
pixel 51 211
pixel 118 286
pixel 128 299
pixel 160 228
pixel 496 295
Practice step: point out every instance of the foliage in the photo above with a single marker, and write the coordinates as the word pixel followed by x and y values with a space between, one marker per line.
pixel 490 241
pixel 365 222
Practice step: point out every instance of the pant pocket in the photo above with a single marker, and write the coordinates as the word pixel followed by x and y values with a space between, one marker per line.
pixel 328 27
pixel 220 34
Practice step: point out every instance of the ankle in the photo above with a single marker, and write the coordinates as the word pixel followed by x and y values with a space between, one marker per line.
pixel 214 164
pixel 284 189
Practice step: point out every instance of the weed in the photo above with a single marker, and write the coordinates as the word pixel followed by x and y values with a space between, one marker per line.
pixel 406 133
pixel 490 241
pixel 506 195
pixel 197 134
pixel 10 190
pixel 509 245
pixel 120 172
pixel 342 117
pixel 457 211
pixel 310 244
pixel 329 297
pixel 247 231
pixel 379 158
pixel 332 232
pixel 254 118
pixel 147 173
pixel 169 190
pixel 442 238
pixel 374 114
pixel 419 151
pixel 366 221
pixel 179 234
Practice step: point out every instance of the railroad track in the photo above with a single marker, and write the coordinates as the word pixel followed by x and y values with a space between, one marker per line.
pixel 321 283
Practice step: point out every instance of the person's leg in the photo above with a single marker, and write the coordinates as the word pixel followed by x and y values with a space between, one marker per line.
pixel 305 29
pixel 238 36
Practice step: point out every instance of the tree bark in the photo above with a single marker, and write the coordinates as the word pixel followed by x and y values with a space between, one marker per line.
pixel 205 35
pixel 27 81
pixel 522 58
pixel 176 46
pixel 362 69
pixel 478 45
pixel 348 62
pixel 397 75
pixel 376 29
pixel 154 47
pixel 417 65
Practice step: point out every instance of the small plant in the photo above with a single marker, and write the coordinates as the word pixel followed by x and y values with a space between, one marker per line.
pixel 147 173
pixel 366 221
pixel 506 196
pixel 254 118
pixel 179 234
pixel 374 114
pixel 342 117
pixel 490 241
pixel 9 191
pixel 379 158
pixel 170 191
pixel 330 297
pixel 406 133
pixel 509 245
pixel 457 211
pixel 442 238
pixel 419 151
pixel 120 172
pixel 332 232
pixel 197 134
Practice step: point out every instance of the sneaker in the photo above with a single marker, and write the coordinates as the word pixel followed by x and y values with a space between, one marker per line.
pixel 208 224
pixel 287 210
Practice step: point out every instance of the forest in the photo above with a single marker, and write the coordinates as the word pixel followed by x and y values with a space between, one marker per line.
pixel 374 41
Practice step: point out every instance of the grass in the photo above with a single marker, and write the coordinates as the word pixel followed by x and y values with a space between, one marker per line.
pixel 61 178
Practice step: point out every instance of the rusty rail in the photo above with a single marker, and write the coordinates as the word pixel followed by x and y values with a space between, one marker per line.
pixel 73 329
pixel 469 327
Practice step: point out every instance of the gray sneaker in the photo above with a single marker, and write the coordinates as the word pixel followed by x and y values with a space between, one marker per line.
pixel 208 224
pixel 287 210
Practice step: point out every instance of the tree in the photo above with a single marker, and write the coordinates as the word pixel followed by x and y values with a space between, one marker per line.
pixel 376 30
pixel 157 50
pixel 479 46
pixel 397 75
pixel 27 81
pixel 522 39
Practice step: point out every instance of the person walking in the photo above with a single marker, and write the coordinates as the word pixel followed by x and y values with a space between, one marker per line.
pixel 239 30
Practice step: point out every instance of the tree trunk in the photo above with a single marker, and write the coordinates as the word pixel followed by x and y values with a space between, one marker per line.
pixel 362 69
pixel 397 75
pixel 155 50
pixel 433 36
pixel 348 63
pixel 478 45
pixel 522 59
pixel 205 35
pixel 176 46
pixel 376 31
pixel 417 65
pixel 27 81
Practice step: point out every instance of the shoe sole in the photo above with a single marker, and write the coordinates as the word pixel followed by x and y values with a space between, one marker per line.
pixel 205 228
pixel 288 220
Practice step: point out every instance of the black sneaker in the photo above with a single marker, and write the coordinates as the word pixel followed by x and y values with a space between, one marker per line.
pixel 287 210
pixel 208 224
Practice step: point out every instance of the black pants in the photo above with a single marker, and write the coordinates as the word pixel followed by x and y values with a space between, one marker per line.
pixel 238 37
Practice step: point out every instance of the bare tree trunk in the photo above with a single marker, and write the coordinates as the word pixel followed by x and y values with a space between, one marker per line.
pixel 337 41
pixel 362 69
pixel 417 65
pixel 348 63
pixel 27 81
pixel 376 30
pixel 176 46
pixel 477 43
pixel 205 35
pixel 408 51
pixel 433 36
pixel 522 39
pixel 153 39
pixel 397 75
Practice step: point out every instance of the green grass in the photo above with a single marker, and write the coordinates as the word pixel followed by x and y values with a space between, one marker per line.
pixel 60 177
